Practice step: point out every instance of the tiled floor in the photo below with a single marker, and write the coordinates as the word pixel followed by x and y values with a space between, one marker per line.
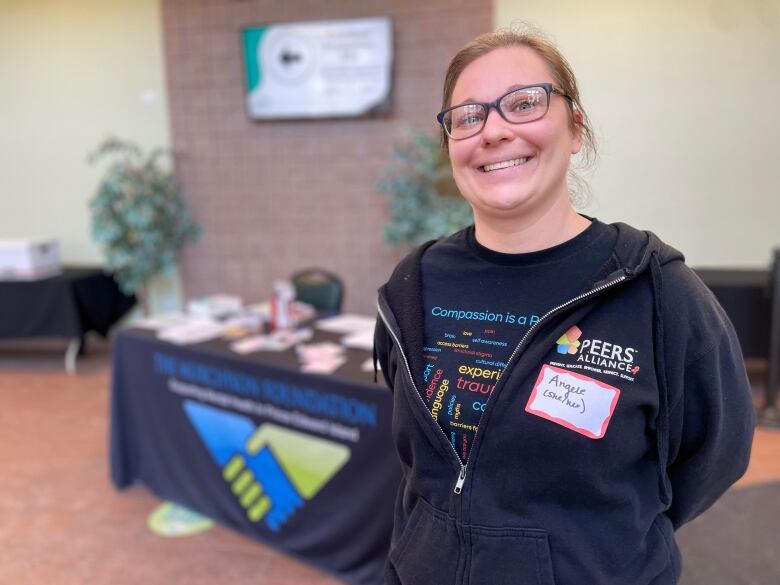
pixel 62 522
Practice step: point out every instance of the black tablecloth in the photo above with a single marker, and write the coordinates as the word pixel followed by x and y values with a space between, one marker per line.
pixel 302 462
pixel 67 305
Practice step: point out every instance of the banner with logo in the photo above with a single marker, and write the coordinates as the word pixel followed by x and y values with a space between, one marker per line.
pixel 336 68
pixel 303 463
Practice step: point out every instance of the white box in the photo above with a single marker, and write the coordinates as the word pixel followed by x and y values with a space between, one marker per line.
pixel 29 259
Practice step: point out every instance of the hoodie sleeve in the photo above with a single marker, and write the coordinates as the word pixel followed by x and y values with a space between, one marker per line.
pixel 711 416
pixel 382 346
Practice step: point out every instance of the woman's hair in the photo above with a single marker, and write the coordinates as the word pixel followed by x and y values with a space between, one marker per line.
pixel 534 39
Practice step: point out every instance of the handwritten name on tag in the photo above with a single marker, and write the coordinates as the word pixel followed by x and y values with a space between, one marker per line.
pixel 574 401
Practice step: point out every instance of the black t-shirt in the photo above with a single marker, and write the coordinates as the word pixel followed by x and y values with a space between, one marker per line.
pixel 478 304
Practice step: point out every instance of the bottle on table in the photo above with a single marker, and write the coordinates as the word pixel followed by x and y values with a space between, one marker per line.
pixel 281 305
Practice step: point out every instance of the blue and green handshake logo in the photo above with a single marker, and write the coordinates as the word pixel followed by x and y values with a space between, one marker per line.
pixel 271 470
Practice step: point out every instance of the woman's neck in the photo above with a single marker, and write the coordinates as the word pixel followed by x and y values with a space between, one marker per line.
pixel 531 232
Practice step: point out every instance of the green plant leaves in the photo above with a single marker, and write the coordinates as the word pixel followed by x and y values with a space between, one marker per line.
pixel 424 202
pixel 139 218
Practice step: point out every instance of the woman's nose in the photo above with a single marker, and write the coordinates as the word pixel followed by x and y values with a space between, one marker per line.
pixel 496 128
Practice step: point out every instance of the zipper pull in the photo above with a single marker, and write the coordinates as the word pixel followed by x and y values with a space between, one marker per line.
pixel 461 479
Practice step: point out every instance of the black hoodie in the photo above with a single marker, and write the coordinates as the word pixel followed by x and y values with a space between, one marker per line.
pixel 550 497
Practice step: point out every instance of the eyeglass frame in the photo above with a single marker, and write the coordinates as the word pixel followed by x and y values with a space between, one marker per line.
pixel 549 88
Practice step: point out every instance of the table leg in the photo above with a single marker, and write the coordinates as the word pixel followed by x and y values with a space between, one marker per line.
pixel 70 355
pixel 769 414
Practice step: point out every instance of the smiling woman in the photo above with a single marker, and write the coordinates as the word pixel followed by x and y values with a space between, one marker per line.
pixel 639 449
pixel 513 170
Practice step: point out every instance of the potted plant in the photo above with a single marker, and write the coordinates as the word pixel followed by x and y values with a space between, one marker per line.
pixel 139 218
pixel 424 201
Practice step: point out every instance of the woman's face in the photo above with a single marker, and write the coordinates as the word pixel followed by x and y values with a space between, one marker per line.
pixel 539 150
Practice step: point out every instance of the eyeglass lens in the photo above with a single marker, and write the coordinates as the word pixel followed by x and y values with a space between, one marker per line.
pixel 517 107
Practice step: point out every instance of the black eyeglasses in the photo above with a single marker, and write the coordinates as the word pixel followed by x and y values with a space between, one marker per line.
pixel 525 104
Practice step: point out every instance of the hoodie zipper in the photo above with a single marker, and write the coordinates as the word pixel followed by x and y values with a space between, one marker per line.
pixel 462 474
pixel 463 466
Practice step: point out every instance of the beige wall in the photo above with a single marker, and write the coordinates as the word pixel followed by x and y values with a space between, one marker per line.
pixel 683 96
pixel 71 74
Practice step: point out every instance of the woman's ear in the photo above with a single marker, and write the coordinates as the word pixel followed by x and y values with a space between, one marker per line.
pixel 576 138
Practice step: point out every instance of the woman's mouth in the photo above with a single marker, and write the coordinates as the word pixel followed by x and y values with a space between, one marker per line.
pixel 504 164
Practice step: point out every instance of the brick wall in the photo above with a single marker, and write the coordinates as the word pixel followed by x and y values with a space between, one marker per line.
pixel 277 196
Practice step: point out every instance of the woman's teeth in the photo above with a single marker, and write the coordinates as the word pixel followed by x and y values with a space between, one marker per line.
pixel 505 164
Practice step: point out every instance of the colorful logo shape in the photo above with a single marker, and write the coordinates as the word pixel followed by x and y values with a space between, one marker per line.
pixel 271 470
pixel 171 520
pixel 569 341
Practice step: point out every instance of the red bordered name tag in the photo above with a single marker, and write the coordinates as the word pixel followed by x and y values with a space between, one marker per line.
pixel 574 401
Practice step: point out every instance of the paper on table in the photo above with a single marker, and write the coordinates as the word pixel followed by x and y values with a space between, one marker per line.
pixel 323 366
pixel 216 305
pixel 162 321
pixel 323 349
pixel 360 339
pixel 277 341
pixel 249 344
pixel 194 331
pixel 346 323
pixel 321 358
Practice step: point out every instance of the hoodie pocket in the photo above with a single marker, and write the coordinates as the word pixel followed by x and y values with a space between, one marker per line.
pixel 428 551
pixel 510 556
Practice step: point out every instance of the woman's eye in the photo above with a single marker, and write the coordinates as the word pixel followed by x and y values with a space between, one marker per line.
pixel 524 105
pixel 467 119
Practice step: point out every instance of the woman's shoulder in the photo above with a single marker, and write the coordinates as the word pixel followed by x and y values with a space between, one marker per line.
pixel 692 314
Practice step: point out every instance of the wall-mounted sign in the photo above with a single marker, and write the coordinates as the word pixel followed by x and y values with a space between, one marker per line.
pixel 325 69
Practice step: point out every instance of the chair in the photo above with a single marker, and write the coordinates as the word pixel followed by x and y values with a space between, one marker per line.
pixel 319 288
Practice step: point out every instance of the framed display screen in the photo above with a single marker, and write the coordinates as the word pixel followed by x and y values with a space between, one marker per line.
pixel 327 69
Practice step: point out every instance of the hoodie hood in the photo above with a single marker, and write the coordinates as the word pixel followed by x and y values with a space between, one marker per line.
pixel 634 249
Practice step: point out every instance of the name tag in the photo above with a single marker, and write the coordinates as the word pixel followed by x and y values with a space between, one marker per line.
pixel 574 401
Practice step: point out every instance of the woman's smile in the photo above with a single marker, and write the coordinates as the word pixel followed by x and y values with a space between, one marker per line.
pixel 504 164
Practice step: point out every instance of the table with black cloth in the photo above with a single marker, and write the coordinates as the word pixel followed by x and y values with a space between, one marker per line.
pixel 747 297
pixel 69 305
pixel 302 462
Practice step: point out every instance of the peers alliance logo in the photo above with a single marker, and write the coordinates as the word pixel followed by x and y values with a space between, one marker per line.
pixel 608 357
pixel 272 470
pixel 569 341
